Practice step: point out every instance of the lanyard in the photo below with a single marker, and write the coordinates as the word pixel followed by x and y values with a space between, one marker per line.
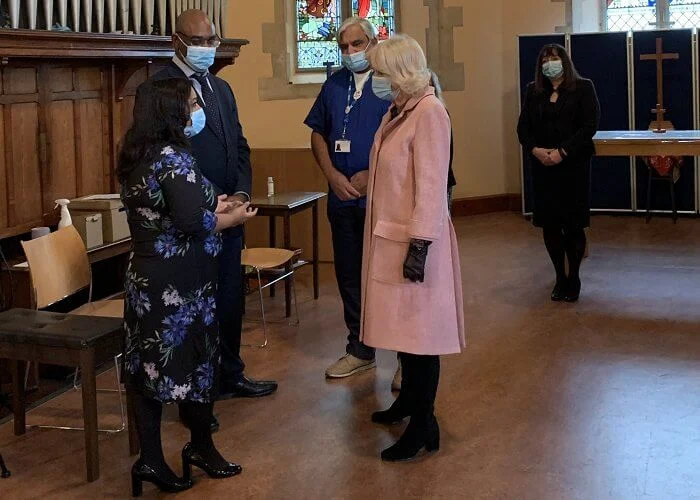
pixel 351 103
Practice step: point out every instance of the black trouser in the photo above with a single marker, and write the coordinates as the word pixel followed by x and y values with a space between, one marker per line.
pixel 419 383
pixel 229 305
pixel 565 243
pixel 347 228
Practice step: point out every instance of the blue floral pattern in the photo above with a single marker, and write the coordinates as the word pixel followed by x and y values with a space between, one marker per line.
pixel 172 341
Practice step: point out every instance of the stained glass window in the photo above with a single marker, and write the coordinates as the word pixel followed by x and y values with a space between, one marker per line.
pixel 318 22
pixel 635 15
pixel 379 12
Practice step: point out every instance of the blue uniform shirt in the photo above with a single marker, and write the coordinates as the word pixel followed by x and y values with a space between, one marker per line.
pixel 327 117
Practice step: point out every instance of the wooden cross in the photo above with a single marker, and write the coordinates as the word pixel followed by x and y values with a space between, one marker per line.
pixel 660 125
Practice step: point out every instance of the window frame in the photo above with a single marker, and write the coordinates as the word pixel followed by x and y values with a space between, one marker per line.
pixel 663 15
pixel 312 75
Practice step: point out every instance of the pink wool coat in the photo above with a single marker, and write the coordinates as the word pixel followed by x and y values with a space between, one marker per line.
pixel 407 198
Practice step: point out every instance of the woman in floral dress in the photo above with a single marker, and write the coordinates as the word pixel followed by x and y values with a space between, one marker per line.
pixel 172 338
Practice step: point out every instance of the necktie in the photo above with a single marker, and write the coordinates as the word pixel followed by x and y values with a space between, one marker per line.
pixel 211 105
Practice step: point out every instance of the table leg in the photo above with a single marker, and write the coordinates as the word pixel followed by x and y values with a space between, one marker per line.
pixel 92 456
pixel 273 244
pixel 288 283
pixel 315 248
pixel 18 407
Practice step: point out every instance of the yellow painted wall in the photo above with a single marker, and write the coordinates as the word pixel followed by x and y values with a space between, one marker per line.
pixel 484 115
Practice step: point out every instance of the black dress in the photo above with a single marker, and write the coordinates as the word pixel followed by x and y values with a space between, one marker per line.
pixel 561 192
pixel 172 333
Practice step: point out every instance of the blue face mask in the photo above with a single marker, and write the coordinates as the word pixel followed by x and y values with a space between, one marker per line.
pixel 199 120
pixel 553 69
pixel 199 59
pixel 357 62
pixel 381 86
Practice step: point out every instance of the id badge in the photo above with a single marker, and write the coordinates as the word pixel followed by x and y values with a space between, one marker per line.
pixel 342 146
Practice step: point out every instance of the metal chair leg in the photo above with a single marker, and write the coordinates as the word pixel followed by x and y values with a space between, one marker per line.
pixel 673 198
pixel 118 390
pixel 262 312
pixel 294 293
pixel 648 218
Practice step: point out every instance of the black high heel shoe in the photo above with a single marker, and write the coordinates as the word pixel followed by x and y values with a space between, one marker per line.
pixel 413 441
pixel 141 472
pixel 191 457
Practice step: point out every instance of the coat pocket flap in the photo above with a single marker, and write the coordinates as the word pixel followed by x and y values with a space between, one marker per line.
pixel 392 231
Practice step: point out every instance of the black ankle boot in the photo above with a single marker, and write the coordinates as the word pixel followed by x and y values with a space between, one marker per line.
pixel 141 472
pixel 573 290
pixel 559 290
pixel 394 415
pixel 191 457
pixel 418 436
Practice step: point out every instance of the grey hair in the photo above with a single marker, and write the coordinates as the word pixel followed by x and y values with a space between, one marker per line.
pixel 369 28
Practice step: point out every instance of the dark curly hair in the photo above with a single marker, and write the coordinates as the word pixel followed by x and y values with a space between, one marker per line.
pixel 161 112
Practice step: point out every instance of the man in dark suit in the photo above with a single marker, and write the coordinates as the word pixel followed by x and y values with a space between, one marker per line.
pixel 223 155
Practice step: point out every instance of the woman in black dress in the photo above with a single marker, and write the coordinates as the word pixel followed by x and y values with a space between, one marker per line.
pixel 172 338
pixel 556 128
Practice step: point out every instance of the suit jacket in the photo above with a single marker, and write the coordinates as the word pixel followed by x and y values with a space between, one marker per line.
pixel 225 161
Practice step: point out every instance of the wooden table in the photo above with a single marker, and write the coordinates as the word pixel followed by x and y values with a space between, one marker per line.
pixel 285 205
pixel 63 339
pixel 647 143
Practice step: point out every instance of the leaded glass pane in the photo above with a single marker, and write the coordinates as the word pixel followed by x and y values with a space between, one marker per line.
pixel 317 25
pixel 685 13
pixel 380 12
pixel 635 15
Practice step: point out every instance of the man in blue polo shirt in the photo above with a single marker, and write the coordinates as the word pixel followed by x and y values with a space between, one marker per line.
pixel 344 119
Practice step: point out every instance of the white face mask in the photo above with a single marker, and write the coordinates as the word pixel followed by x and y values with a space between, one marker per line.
pixel 381 86
pixel 553 69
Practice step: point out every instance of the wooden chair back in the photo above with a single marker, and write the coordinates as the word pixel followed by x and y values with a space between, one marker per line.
pixel 58 266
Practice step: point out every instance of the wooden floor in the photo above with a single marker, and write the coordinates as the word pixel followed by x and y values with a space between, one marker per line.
pixel 551 401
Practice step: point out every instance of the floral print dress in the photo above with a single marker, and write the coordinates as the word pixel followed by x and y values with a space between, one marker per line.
pixel 172 338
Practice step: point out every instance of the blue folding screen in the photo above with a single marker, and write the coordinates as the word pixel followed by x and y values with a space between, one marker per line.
pixel 602 57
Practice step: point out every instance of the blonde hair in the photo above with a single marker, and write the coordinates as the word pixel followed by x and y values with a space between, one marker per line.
pixel 403 61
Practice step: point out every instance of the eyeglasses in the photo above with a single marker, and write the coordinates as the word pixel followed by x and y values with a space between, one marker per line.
pixel 199 41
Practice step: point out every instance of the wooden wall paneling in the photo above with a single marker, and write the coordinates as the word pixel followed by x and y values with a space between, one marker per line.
pixel 108 152
pixel 61 78
pixel 44 110
pixel 26 202
pixel 63 151
pixel 89 130
pixel 292 170
pixel 3 172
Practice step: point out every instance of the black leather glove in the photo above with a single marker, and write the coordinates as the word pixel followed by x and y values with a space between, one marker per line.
pixel 414 265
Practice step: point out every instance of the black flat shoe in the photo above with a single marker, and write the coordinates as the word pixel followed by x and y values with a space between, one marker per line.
pixel 141 472
pixel 213 425
pixel 247 388
pixel 413 443
pixel 573 290
pixel 192 457
pixel 558 291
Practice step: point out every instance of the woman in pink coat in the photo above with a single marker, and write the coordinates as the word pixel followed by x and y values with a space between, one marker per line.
pixel 411 281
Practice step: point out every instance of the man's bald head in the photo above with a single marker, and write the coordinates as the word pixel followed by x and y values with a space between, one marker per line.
pixel 195 23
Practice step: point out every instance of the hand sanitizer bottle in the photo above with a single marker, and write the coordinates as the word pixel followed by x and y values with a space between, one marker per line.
pixel 270 187
pixel 65 214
